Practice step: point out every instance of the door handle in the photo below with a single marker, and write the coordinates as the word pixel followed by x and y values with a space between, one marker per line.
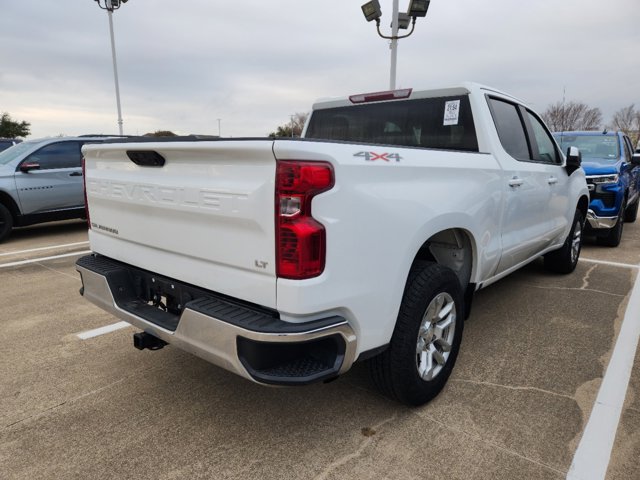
pixel 75 174
pixel 515 182
pixel 552 180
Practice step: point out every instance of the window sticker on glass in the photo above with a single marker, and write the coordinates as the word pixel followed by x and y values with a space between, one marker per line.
pixel 451 112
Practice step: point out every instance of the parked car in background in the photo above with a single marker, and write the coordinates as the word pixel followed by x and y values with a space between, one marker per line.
pixel 613 176
pixel 8 142
pixel 41 181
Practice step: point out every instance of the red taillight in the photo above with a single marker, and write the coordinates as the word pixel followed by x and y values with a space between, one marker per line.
pixel 300 239
pixel 84 189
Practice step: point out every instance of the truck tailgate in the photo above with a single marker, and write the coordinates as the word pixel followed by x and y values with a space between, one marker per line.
pixel 205 217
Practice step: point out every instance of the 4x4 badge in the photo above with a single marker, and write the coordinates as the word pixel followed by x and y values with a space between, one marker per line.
pixel 373 156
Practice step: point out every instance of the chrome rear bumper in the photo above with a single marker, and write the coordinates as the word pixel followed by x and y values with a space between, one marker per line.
pixel 266 350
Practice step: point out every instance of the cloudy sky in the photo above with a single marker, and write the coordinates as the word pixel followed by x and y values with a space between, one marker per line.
pixel 183 64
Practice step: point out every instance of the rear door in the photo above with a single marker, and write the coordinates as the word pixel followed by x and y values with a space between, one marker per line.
pixel 56 182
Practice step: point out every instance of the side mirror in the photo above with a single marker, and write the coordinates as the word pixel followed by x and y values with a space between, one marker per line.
pixel 635 158
pixel 574 159
pixel 26 167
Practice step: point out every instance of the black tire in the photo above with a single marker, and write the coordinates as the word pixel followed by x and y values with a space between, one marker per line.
pixel 396 371
pixel 565 259
pixel 614 235
pixel 6 222
pixel 631 213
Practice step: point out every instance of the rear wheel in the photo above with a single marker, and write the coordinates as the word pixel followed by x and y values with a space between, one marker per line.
pixel 565 259
pixel 6 222
pixel 426 339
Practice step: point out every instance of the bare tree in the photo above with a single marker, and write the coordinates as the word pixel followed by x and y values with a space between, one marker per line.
pixel 561 117
pixel 627 119
pixel 293 128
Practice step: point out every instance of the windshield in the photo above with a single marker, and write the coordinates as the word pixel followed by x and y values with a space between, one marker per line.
pixel 11 153
pixel 605 147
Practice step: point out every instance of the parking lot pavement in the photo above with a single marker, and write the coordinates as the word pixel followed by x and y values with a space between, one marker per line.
pixel 626 450
pixel 533 356
pixel 44 240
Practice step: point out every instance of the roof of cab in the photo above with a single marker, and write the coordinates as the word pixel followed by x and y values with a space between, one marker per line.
pixel 463 88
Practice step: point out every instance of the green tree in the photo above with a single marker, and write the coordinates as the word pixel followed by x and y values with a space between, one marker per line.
pixel 293 128
pixel 12 129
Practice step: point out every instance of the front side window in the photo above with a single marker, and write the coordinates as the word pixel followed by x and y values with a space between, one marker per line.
pixel 546 151
pixel 57 155
pixel 510 127
pixel 441 123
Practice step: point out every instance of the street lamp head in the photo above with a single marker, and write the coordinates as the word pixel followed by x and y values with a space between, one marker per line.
pixel 371 10
pixel 403 21
pixel 110 5
pixel 418 8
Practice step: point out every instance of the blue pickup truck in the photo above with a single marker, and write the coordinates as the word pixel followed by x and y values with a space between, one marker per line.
pixel 613 177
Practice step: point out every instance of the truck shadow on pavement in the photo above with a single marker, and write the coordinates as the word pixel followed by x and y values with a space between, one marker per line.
pixel 55 230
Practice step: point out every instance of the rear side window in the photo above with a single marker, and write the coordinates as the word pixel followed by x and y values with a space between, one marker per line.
pixel 442 123
pixel 57 155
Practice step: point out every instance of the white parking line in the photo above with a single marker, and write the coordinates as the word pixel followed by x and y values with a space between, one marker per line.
pixel 592 457
pixel 613 264
pixel 39 249
pixel 102 330
pixel 42 259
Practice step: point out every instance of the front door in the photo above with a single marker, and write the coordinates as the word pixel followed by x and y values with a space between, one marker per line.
pixel 55 182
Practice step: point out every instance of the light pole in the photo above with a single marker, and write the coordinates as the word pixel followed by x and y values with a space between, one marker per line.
pixel 219 134
pixel 110 6
pixel 399 21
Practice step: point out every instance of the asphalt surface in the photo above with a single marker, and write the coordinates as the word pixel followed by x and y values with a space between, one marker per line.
pixel 534 352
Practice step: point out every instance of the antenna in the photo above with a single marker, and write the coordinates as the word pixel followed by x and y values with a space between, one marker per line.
pixel 564 115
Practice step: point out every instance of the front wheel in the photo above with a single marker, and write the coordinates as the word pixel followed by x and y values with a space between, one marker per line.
pixel 6 222
pixel 565 259
pixel 614 235
pixel 631 213
pixel 426 339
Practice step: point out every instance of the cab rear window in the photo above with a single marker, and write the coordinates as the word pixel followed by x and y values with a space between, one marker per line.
pixel 441 123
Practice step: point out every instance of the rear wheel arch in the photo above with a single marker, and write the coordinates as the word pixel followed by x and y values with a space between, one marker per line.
pixel 453 248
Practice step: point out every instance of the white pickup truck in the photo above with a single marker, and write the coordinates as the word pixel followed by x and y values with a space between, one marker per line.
pixel 287 260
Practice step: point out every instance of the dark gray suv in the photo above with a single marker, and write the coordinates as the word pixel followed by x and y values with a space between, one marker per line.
pixel 41 181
